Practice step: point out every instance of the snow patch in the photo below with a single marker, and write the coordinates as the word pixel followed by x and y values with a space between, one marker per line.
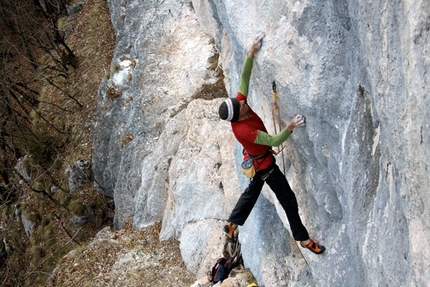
pixel 124 73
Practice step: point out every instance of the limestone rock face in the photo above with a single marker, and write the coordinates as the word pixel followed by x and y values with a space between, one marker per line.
pixel 358 70
pixel 79 173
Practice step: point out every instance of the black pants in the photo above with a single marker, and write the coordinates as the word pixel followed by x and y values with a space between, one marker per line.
pixel 279 185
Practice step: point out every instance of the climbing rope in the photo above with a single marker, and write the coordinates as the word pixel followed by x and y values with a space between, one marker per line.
pixel 276 117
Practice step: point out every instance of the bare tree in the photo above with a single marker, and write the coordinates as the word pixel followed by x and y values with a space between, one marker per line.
pixel 30 34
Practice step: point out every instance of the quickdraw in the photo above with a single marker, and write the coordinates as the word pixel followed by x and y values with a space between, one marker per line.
pixel 276 117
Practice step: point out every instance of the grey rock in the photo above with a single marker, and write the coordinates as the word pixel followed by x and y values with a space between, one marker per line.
pixel 21 167
pixel 79 174
pixel 87 217
pixel 75 8
pixel 28 225
pixel 102 233
pixel 358 71
pixel 3 252
pixel 54 189
pixel 6 248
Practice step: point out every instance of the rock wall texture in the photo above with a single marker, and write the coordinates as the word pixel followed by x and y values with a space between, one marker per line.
pixel 358 70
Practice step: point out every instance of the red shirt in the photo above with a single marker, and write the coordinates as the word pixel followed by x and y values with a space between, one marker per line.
pixel 246 132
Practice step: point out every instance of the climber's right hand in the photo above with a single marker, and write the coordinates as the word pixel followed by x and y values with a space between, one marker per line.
pixel 296 122
pixel 299 121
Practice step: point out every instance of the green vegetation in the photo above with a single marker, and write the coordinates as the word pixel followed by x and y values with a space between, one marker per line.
pixel 48 91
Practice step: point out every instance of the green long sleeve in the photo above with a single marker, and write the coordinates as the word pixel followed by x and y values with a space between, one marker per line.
pixel 276 140
pixel 246 75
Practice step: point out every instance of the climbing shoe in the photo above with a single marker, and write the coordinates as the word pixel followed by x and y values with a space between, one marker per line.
pixel 313 246
pixel 229 230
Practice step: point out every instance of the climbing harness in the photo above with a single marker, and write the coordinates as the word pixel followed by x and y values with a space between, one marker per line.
pixel 276 117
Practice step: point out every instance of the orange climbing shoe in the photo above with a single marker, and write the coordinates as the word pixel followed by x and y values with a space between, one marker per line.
pixel 313 246
pixel 229 230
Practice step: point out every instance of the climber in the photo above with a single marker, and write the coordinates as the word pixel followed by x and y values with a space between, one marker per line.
pixel 250 131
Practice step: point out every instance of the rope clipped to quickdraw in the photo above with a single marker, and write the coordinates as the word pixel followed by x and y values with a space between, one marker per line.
pixel 276 117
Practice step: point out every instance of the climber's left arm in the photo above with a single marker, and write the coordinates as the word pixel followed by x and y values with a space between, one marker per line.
pixel 276 140
pixel 264 138
pixel 247 65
